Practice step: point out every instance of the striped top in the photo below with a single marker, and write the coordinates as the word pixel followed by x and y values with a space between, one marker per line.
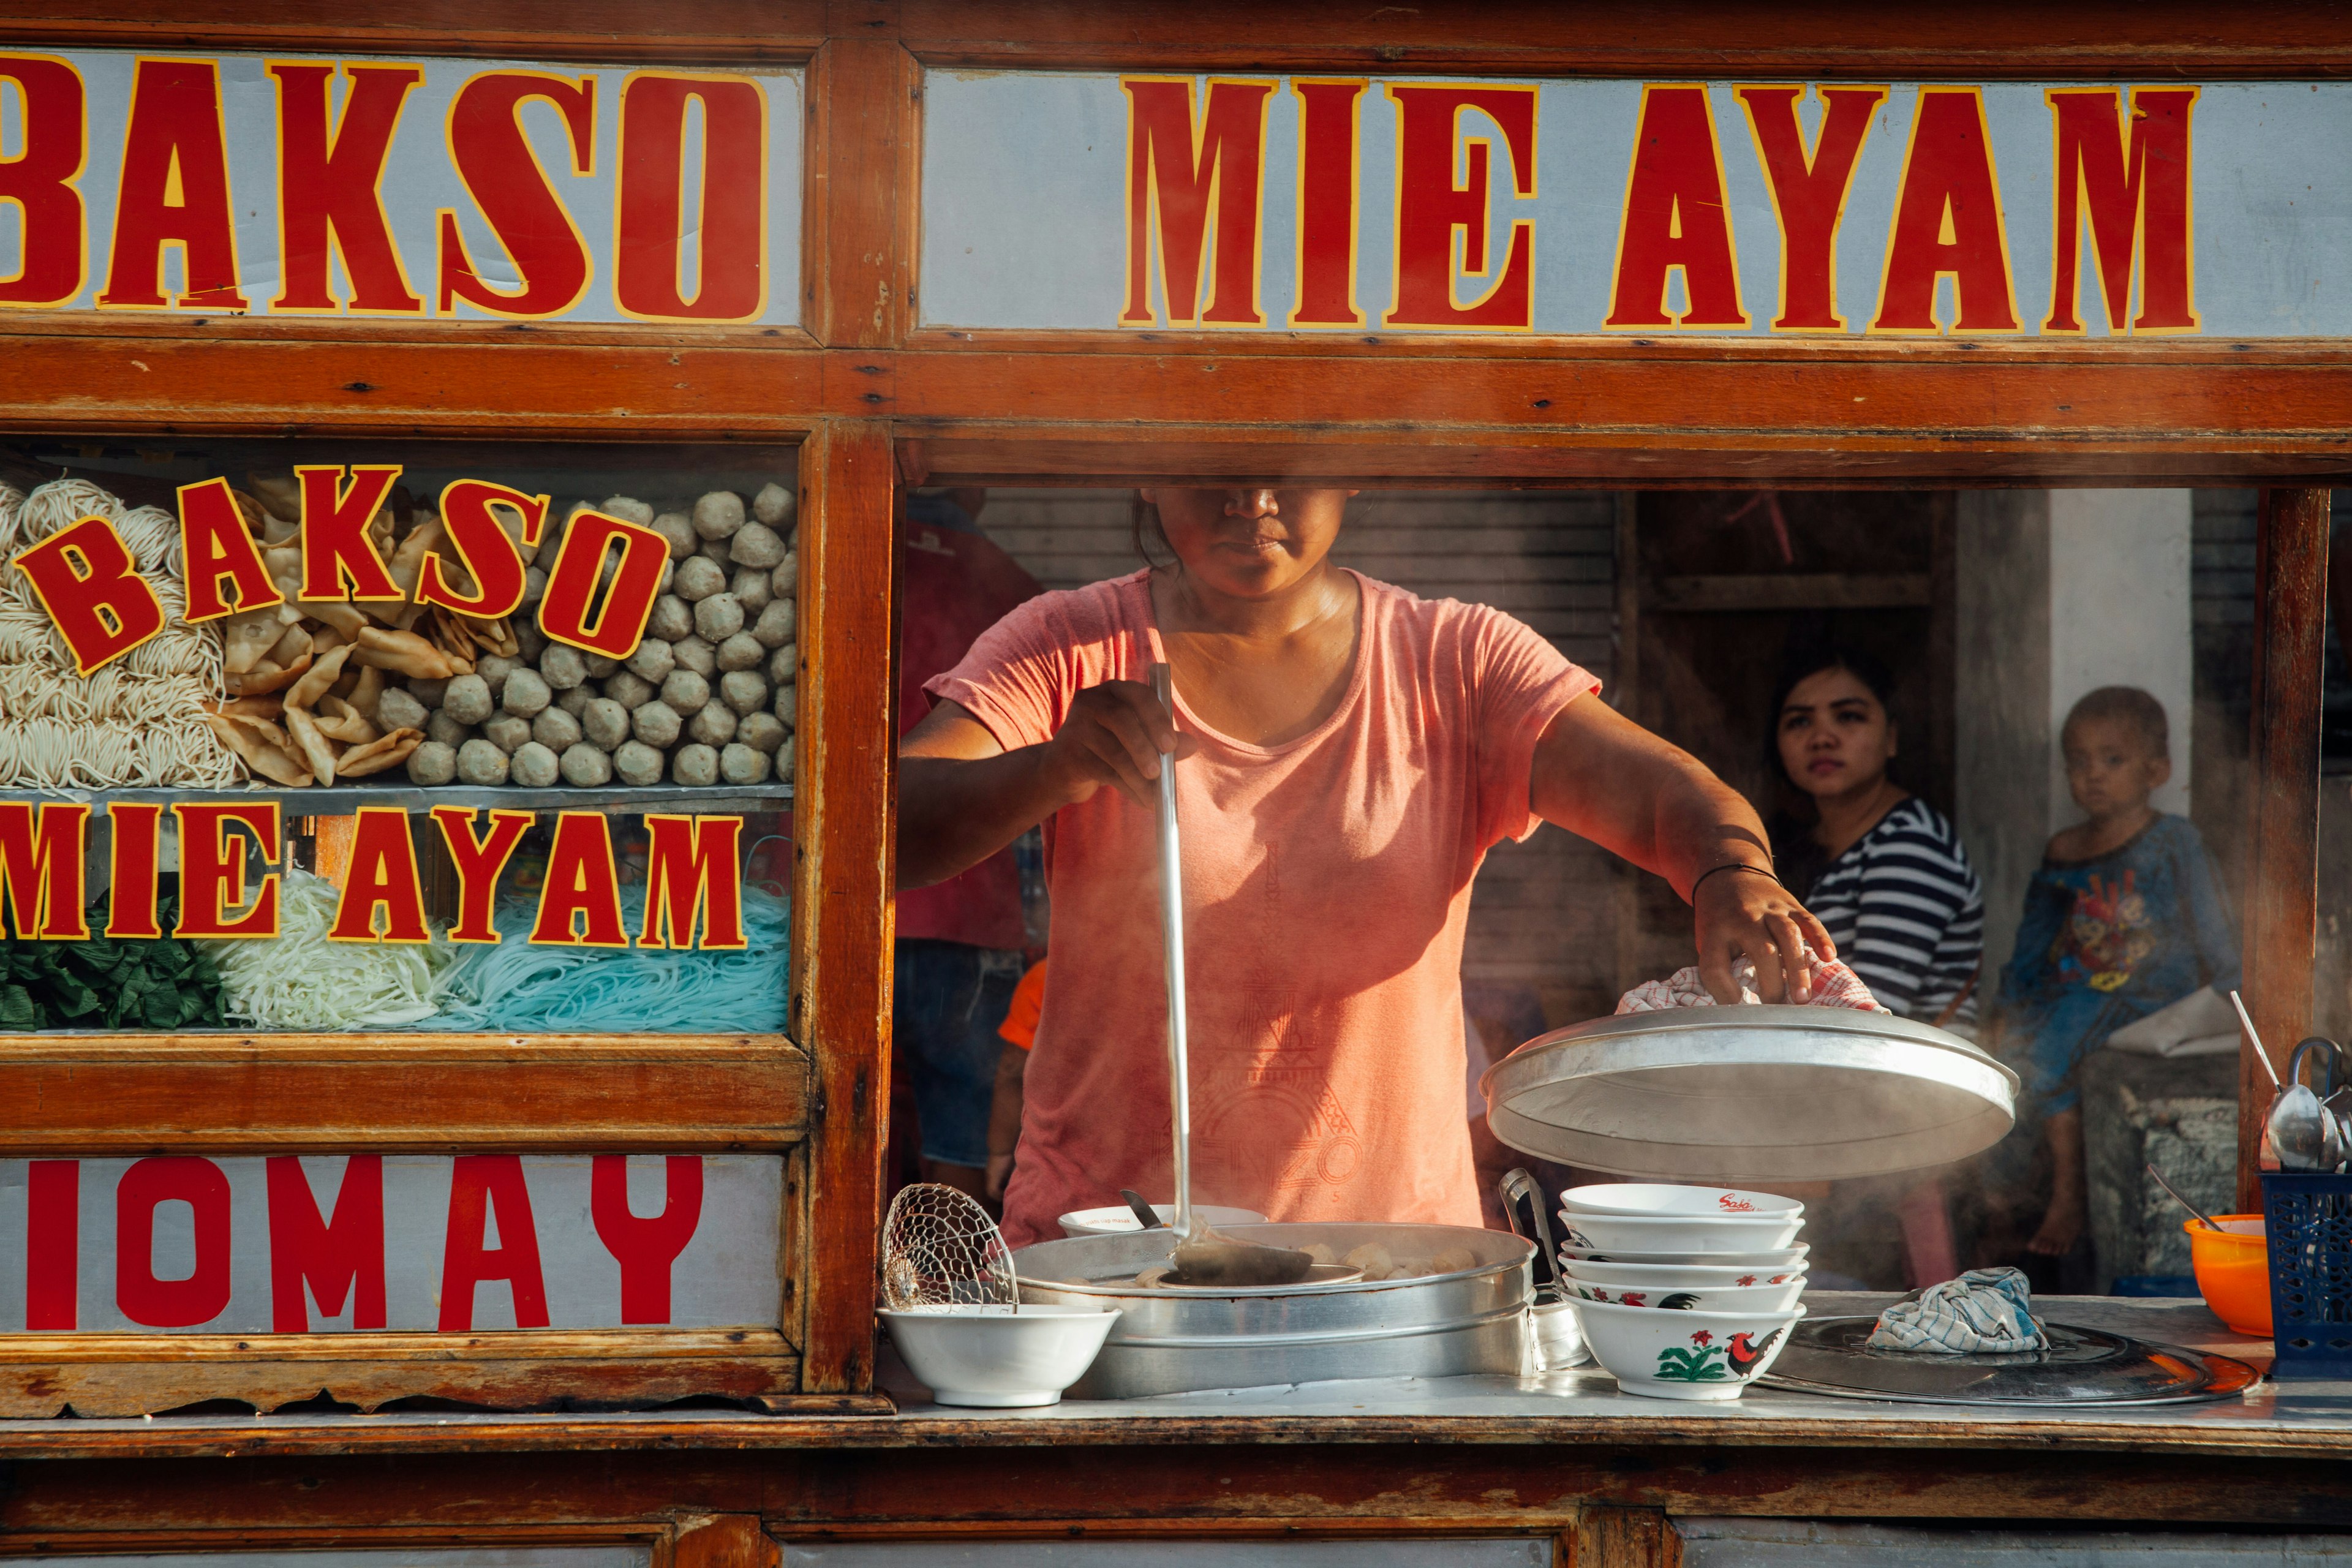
pixel 1904 908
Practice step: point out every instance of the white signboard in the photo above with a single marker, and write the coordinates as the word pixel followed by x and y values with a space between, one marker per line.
pixel 1420 205
pixel 450 1244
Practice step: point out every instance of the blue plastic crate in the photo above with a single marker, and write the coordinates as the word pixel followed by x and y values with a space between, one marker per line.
pixel 2308 1218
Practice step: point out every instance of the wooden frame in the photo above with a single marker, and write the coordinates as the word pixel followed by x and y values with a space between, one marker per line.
pixel 876 403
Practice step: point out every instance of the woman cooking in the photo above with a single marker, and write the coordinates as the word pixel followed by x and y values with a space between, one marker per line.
pixel 1347 754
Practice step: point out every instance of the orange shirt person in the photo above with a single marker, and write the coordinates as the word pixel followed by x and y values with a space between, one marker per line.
pixel 1348 753
pixel 1020 1031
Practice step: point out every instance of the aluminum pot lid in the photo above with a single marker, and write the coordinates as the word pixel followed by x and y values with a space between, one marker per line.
pixel 1750 1093
pixel 2082 1366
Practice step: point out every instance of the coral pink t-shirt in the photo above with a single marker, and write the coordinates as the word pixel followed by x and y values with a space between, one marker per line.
pixel 1327 884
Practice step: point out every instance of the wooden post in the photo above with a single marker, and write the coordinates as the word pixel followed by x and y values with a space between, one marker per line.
pixel 2281 927
pixel 842 910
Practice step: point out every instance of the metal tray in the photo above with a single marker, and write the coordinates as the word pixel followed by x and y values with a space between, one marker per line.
pixel 1178 1341
pixel 2082 1366
pixel 1762 1093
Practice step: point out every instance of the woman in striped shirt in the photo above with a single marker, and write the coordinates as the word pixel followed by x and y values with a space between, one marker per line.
pixel 1880 866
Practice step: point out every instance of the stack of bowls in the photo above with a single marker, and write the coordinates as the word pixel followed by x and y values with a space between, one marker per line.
pixel 1684 1292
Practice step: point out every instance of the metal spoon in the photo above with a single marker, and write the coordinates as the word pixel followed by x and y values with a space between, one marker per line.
pixel 1201 1256
pixel 2202 1217
pixel 1144 1214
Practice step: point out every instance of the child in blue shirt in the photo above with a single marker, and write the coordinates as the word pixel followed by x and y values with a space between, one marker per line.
pixel 2124 917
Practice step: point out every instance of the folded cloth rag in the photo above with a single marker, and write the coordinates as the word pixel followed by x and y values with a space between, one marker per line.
pixel 1983 1309
pixel 1834 985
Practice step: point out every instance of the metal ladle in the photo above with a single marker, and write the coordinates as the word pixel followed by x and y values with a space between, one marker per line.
pixel 1201 1256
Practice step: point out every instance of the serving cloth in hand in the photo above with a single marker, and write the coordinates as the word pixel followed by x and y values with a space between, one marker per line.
pixel 1834 985
pixel 1983 1309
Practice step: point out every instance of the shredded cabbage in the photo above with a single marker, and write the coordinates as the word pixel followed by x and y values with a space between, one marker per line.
pixel 303 982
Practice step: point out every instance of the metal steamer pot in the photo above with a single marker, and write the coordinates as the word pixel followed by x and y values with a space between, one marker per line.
pixel 1176 1340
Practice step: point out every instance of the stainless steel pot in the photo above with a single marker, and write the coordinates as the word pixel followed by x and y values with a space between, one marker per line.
pixel 1173 1340
pixel 1770 1093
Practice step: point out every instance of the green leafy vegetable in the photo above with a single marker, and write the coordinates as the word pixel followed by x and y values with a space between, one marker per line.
pixel 108 982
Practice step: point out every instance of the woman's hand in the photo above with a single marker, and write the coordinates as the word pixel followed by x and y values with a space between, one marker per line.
pixel 1747 914
pixel 1115 735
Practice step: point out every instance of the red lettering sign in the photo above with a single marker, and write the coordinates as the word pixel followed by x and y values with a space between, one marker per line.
pixel 504 177
pixel 480 1185
pixel 41 869
pixel 382 877
pixel 339 559
pixel 174 192
pixel 2137 202
pixel 52 1246
pixel 140 1293
pixel 329 187
pixel 1675 218
pixel 489 553
pixel 1327 195
pixel 1431 207
pixel 1947 220
pixel 691 869
pixel 220 552
pixel 730 231
pixel 645 1248
pixel 580 608
pixel 40 180
pixel 87 582
pixel 479 862
pixel 1809 191
pixel 330 1261
pixel 1181 192
pixel 580 903
pixel 211 869
pixel 134 870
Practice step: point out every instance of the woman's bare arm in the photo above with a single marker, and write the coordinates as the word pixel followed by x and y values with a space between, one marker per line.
pixel 963 796
pixel 1602 776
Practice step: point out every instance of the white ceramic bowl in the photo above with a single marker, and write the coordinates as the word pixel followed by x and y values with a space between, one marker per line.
pixel 1666 1198
pixel 1615 1234
pixel 1695 1298
pixel 1684 1355
pixel 995 1357
pixel 1678 1276
pixel 1119 1217
pixel 1777 1261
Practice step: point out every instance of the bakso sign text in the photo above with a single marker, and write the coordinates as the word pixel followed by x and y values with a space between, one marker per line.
pixel 398 189
pixel 1420 205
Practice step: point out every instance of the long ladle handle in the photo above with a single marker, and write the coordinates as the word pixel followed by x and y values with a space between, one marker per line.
pixel 1172 932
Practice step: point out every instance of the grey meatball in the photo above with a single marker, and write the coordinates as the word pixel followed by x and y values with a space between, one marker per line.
pixel 399 709
pixel 494 670
pixel 743 690
pixel 788 706
pixel 750 590
pixel 534 766
pixel 778 624
pixel 534 589
pixel 628 690
pixel 742 764
pixel 742 651
pixel 526 693
pixel 575 701
pixel 431 693
pixel 697 578
pixel 714 726
pixel 785 665
pixel 605 723
pixel 672 618
pixel 773 506
pixel 434 762
pixel 628 510
pixel 678 529
pixel 719 617
pixel 719 552
pixel 762 733
pixel 556 730
pixel 530 640
pixel 439 726
pixel 469 699
pixel 657 724
pixel 587 766
pixel 686 690
pixel 694 654
pixel 599 664
pixel 637 765
pixel 562 667
pixel 696 767
pixel 758 545
pixel 654 660
pixel 719 514
pixel 507 732
pixel 785 578
pixel 481 762
pixel 784 764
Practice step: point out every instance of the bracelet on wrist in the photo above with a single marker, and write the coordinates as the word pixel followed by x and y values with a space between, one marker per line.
pixel 1732 866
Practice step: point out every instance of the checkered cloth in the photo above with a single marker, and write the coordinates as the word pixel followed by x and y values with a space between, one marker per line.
pixel 1834 985
pixel 1983 1309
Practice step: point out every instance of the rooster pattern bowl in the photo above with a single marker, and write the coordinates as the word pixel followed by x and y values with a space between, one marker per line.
pixel 1695 1298
pixel 1618 1233
pixel 1684 1355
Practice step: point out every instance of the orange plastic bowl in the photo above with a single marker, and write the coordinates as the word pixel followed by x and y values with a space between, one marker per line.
pixel 2233 1271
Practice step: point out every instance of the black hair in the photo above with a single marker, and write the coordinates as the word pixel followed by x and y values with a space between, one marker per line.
pixel 1144 529
pixel 2125 705
pixel 1795 852
pixel 1811 660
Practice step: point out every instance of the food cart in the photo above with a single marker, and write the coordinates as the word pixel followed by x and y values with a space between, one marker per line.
pixel 616 253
